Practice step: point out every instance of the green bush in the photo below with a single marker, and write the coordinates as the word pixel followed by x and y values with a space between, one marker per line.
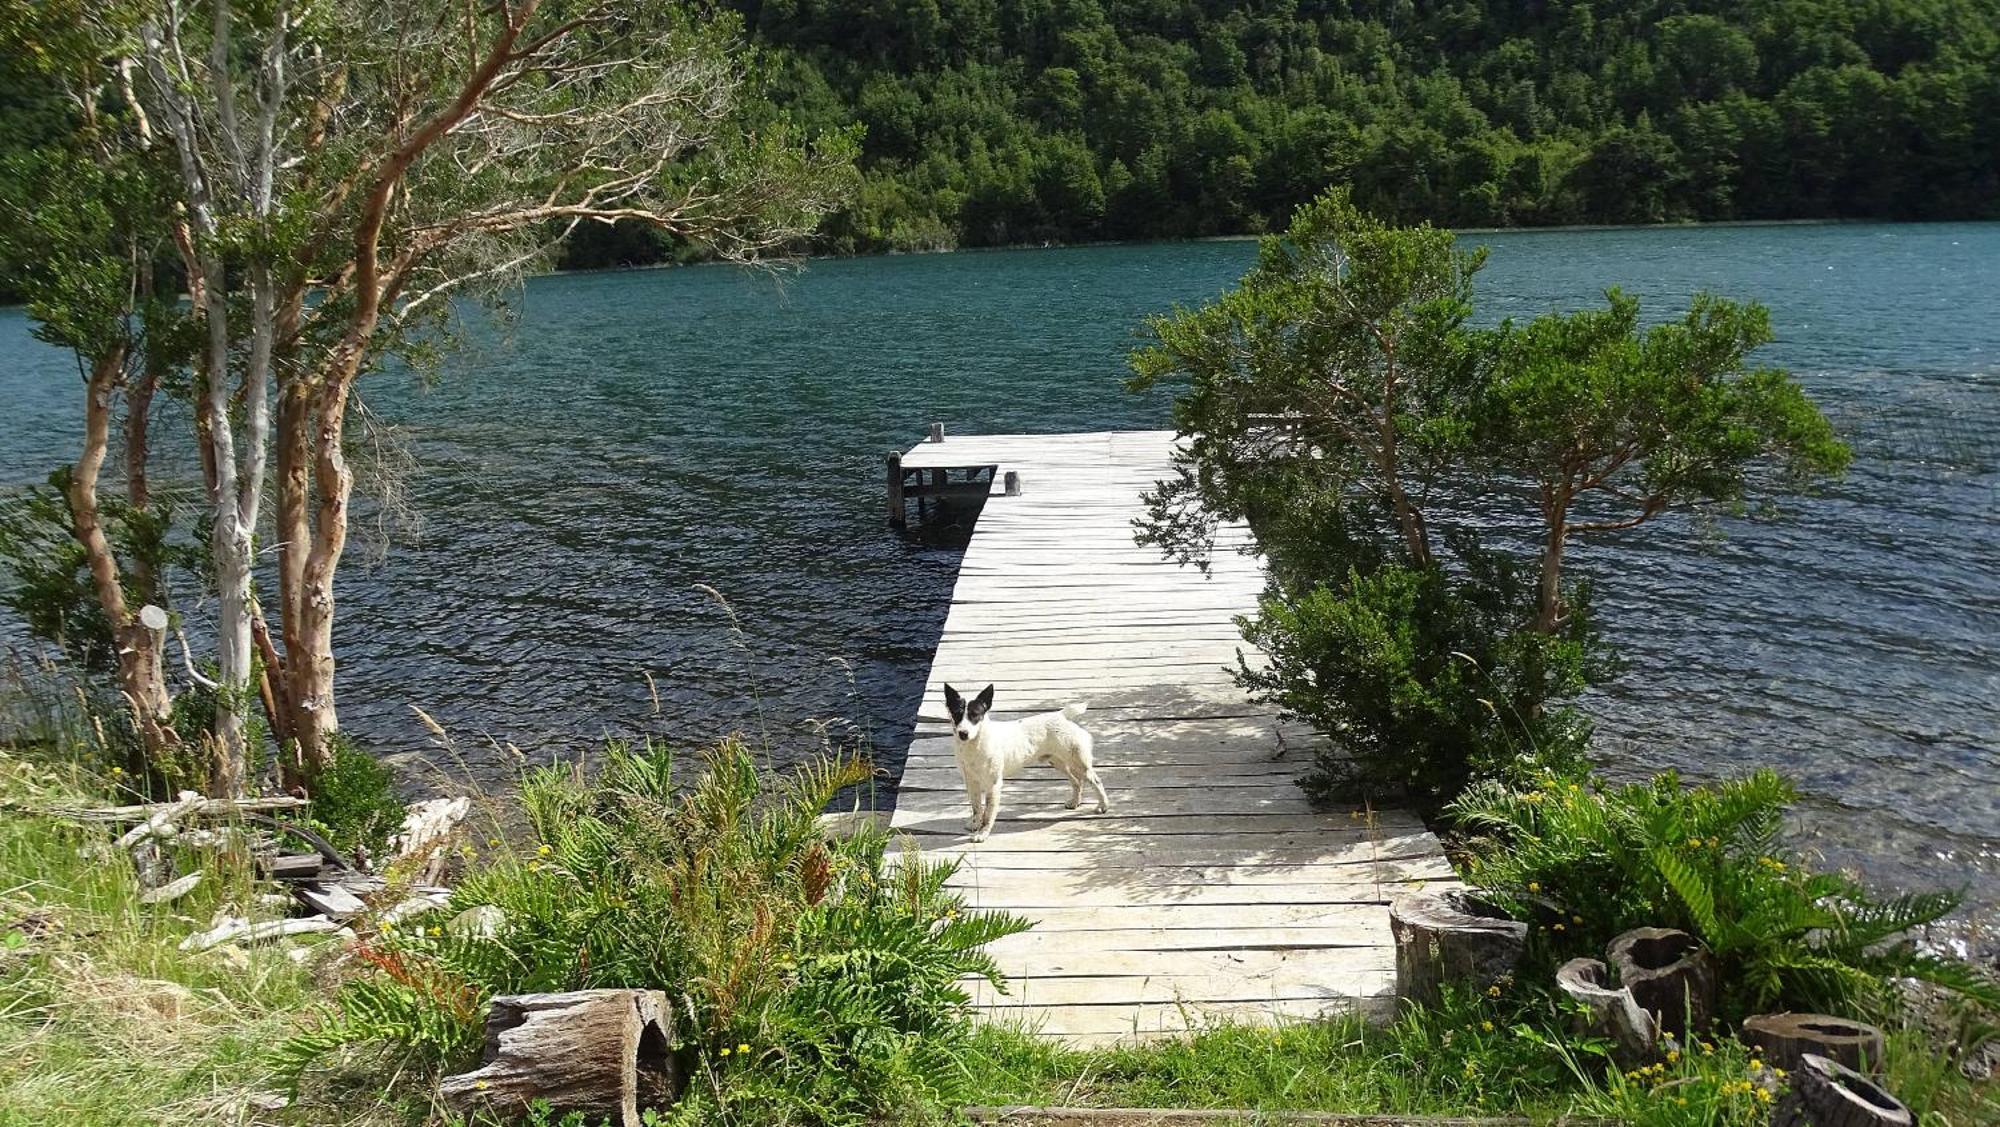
pixel 354 801
pixel 1587 861
pixel 812 980
pixel 1421 682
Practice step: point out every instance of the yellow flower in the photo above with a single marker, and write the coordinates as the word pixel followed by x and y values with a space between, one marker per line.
pixel 1756 1065
pixel 1493 991
pixel 1681 1100
pixel 534 866
pixel 1707 1047
pixel 1534 886
pixel 1764 1094
pixel 1487 1026
pixel 482 1085
pixel 1576 919
pixel 742 1048
pixel 1779 1073
pixel 437 931
pixel 1559 927
pixel 541 851
pixel 1534 796
pixel 493 843
pixel 1714 842
pixel 1694 843
pixel 117 771
pixel 1673 1056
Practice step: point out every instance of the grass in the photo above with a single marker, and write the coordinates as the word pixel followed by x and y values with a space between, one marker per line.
pixel 1469 1059
pixel 103 1019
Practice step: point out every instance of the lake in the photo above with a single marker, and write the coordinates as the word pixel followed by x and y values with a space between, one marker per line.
pixel 576 474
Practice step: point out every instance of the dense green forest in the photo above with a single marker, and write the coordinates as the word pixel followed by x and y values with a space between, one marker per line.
pixel 1011 121
pixel 992 122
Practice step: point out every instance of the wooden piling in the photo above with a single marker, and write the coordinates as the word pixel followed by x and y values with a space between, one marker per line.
pixel 897 517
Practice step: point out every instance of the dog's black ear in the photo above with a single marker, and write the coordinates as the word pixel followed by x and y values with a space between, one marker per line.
pixel 953 702
pixel 985 697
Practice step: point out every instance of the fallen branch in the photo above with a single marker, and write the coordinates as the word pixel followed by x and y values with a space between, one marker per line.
pixel 172 891
pixel 209 808
pixel 242 930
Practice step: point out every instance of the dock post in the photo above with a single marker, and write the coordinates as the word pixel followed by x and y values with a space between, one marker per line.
pixel 897 518
pixel 1013 483
pixel 937 432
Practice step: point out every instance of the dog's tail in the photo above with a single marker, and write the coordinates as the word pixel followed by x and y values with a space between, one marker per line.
pixel 1074 712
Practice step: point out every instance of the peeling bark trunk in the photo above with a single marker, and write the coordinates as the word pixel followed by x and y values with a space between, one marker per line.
pixel 141 649
pixel 1548 602
pixel 604 1054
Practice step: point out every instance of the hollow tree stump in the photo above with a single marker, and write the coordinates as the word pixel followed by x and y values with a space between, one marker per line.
pixel 1451 937
pixel 1826 1093
pixel 1671 975
pixel 602 1053
pixel 1785 1038
pixel 1609 1012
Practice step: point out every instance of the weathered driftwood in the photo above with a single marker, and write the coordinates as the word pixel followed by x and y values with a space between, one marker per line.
pixel 1826 1093
pixel 173 890
pixel 330 900
pixel 603 1053
pixel 143 840
pixel 1609 1011
pixel 417 848
pixel 1785 1038
pixel 419 902
pixel 209 808
pixel 1451 937
pixel 243 931
pixel 1671 975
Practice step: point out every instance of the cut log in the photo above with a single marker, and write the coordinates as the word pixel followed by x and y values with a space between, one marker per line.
pixel 1785 1038
pixel 1451 937
pixel 603 1054
pixel 1669 973
pixel 1609 1012
pixel 1826 1093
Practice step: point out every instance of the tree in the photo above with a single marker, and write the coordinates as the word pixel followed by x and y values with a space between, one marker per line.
pixel 418 154
pixel 1628 425
pixel 1338 403
pixel 84 224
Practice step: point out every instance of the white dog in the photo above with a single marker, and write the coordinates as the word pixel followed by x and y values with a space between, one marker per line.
pixel 990 750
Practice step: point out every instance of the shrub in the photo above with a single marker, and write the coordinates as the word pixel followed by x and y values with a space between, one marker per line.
pixel 1589 861
pixel 813 981
pixel 354 801
pixel 1422 683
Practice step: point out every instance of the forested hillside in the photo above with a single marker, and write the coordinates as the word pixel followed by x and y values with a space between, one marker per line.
pixel 1008 121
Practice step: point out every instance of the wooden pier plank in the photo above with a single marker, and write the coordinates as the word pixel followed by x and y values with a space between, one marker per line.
pixel 1212 890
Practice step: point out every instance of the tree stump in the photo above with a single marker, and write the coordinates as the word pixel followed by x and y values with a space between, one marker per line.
pixel 1785 1038
pixel 602 1053
pixel 1610 1012
pixel 1826 1093
pixel 1451 937
pixel 1670 974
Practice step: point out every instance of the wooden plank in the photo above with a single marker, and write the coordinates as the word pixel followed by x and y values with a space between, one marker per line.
pixel 1098 1024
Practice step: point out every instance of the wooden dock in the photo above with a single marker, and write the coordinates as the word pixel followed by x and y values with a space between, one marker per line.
pixel 1212 890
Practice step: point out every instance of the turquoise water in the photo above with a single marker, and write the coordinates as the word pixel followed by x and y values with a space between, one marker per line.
pixel 634 434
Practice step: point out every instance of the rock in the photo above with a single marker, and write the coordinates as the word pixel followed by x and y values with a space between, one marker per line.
pixel 1451 937
pixel 1670 974
pixel 481 922
pixel 1785 1038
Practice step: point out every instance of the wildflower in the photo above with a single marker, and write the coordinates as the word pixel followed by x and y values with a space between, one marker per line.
pixel 1534 886
pixel 1576 919
pixel 534 866
pixel 437 931
pixel 1533 796
pixel 741 1047
pixel 1714 843
pixel 1673 1056
pixel 541 851
pixel 1681 1100
pixel 493 843
pixel 1764 1094
pixel 1559 927
pixel 1493 991
pixel 1694 843
pixel 1756 1065
pixel 482 1085
pixel 1707 1047
pixel 1487 1026
pixel 117 771
pixel 1779 1073
pixel 725 1050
